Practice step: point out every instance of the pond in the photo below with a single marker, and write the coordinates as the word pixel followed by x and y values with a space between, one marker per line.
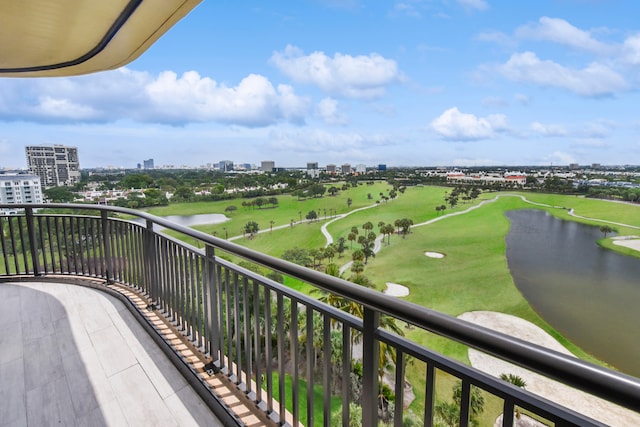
pixel 191 220
pixel 589 294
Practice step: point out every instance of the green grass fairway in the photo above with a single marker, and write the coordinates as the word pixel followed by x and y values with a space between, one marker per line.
pixel 473 275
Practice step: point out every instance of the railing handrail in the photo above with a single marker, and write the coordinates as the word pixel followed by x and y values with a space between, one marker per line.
pixel 613 386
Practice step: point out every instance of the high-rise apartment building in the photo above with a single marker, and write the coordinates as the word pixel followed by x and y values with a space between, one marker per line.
pixel 19 189
pixel 147 164
pixel 267 166
pixel 345 169
pixel 225 165
pixel 56 165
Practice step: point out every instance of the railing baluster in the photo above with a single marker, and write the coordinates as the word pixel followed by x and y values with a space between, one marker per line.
pixel 507 413
pixel 246 327
pixel 58 225
pixel 281 340
pixel 221 315
pixel 310 365
pixel 257 344
pixel 429 394
pixel 42 244
pixel 236 321
pixel 295 354
pixel 267 350
pixel 106 246
pixel 399 389
pixel 212 297
pixel 80 224
pixel 346 373
pixel 52 251
pixel 33 241
pixel 370 361
pixel 326 368
pixel 3 246
pixel 26 258
pixel 465 401
pixel 14 244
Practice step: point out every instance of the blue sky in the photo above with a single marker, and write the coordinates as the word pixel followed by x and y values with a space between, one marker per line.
pixel 413 82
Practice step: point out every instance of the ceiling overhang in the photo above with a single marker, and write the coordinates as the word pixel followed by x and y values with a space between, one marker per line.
pixel 49 38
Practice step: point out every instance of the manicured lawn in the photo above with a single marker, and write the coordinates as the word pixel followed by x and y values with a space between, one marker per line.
pixel 473 275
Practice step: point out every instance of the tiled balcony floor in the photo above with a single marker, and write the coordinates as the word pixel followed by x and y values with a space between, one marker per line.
pixel 71 355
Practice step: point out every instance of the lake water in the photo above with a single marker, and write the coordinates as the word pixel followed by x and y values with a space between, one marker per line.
pixel 589 294
pixel 191 220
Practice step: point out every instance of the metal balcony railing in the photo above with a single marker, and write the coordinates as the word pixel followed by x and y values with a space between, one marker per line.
pixel 286 351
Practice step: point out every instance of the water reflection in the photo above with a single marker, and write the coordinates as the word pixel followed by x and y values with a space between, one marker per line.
pixel 590 294
pixel 190 220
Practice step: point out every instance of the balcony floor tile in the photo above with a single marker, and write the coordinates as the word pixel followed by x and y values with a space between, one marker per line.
pixel 72 355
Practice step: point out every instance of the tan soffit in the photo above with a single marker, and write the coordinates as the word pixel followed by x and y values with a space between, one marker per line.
pixel 46 38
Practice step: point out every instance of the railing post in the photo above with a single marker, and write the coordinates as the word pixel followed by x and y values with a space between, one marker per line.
pixel 211 282
pixel 370 366
pixel 33 241
pixel 150 262
pixel 106 239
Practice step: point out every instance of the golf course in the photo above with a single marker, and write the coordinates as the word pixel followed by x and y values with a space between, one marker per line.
pixel 471 274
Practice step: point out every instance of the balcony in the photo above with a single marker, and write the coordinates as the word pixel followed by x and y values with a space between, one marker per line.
pixel 253 351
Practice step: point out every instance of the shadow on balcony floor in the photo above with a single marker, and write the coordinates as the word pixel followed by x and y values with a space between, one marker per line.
pixel 71 355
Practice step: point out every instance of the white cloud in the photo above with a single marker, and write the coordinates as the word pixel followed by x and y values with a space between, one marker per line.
pixel 562 32
pixel 474 4
pixel 327 110
pixel 406 8
pixel 363 77
pixel 456 126
pixel 166 98
pixel 548 130
pixel 496 37
pixel 594 80
pixel 631 50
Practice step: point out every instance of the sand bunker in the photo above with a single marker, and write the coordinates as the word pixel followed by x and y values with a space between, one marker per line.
pixel 434 254
pixel 396 290
pixel 631 242
pixel 579 401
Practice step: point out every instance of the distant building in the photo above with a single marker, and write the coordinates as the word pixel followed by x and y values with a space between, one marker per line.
pixel 267 165
pixel 361 168
pixel 331 169
pixel 56 165
pixel 596 166
pixel 382 167
pixel 345 169
pixel 148 164
pixel 312 169
pixel 574 166
pixel 225 165
pixel 19 189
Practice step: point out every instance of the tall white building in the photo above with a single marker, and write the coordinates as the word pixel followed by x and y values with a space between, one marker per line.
pixel 19 189
pixel 267 166
pixel 56 165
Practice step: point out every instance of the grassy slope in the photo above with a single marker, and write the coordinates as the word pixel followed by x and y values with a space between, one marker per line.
pixel 474 274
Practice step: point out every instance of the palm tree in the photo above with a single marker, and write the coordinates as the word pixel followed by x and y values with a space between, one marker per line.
pixel 357 267
pixel 606 229
pixel 351 237
pixel 271 225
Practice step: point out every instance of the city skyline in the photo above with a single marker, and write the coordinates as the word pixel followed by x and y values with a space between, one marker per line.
pixel 464 83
